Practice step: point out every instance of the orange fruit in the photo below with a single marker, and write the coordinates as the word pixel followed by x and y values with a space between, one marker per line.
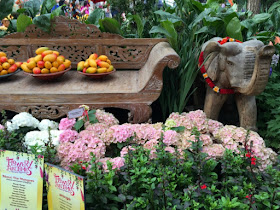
pixel 11 61
pixel 45 71
pixel 6 65
pixel 1 68
pixel 55 64
pixel 53 70
pixel 3 72
pixel 67 63
pixel 48 65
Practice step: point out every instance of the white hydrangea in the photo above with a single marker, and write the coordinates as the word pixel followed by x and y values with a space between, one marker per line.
pixel 41 138
pixel 22 119
pixel 46 124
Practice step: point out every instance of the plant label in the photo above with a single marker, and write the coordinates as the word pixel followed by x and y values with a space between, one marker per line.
pixel 75 113
pixel 65 189
pixel 21 180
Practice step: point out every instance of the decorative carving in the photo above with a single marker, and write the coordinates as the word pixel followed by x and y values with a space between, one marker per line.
pixel 128 53
pixel 45 111
pixel 139 113
pixel 15 52
pixel 154 84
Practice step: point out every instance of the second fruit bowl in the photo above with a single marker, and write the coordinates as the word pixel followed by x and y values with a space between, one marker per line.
pixel 49 76
pixel 97 75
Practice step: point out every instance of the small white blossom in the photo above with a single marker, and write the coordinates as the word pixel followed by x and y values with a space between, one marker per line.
pixel 46 124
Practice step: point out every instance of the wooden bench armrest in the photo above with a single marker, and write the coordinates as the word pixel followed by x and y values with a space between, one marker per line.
pixel 150 75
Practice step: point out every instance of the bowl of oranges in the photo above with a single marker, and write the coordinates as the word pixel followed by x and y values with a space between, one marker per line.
pixel 46 65
pixel 8 67
pixel 96 66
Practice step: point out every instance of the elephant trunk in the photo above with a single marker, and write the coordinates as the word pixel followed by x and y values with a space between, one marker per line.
pixel 256 77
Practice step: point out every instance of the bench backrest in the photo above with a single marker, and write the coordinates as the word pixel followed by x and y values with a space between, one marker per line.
pixel 76 41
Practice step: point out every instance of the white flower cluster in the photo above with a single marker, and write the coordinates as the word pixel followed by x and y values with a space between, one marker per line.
pixel 25 119
pixel 41 139
pixel 46 124
pixel 22 119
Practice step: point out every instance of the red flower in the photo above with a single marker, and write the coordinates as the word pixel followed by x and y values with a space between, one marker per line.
pixel 248 154
pixel 83 167
pixel 248 196
pixel 253 159
pixel 253 163
pixel 203 187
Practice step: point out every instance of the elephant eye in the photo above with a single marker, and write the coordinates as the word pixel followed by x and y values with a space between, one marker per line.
pixel 230 63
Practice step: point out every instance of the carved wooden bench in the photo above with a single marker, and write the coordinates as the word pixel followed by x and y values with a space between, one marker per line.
pixel 134 86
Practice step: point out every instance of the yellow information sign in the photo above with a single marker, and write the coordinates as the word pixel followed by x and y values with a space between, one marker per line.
pixel 65 189
pixel 21 181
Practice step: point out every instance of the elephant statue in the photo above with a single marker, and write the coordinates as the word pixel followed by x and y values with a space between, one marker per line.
pixel 232 67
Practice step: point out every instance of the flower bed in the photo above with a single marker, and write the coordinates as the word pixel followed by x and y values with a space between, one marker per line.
pixel 187 161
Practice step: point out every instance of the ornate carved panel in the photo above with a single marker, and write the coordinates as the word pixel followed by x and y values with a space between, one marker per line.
pixel 18 53
pixel 44 111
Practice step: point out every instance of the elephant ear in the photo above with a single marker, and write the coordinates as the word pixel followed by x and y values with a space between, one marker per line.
pixel 211 54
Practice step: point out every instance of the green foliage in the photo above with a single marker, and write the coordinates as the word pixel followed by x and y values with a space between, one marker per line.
pixel 6 8
pixel 10 140
pixel 22 22
pixel 110 25
pixel 170 181
pixel 89 117
pixel 47 5
pixel 95 16
pixel 32 7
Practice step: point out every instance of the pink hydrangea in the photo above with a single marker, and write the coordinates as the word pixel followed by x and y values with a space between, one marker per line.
pixel 214 150
pixel 122 132
pixel 66 124
pixel 152 144
pixel 146 132
pixel 68 136
pixel 170 137
pixel 106 118
pixel 2 127
pixel 117 162
pixel 170 149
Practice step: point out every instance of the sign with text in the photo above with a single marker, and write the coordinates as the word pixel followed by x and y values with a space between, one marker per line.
pixel 75 113
pixel 21 181
pixel 65 189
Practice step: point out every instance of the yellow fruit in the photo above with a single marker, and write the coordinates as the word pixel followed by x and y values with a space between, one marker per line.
pixel 25 68
pixel 108 61
pixel 61 67
pixel 40 50
pixel 38 58
pixel 103 64
pixel 103 58
pixel 91 70
pixel 1 68
pixel 80 66
pixel 2 54
pixel 6 65
pixel 86 64
pixel 67 63
pixel 3 72
pixel 47 52
pixel 111 68
pixel 101 70
pixel 48 65
pixel 45 71
pixel 31 64
pixel 50 57
pixel 53 70
pixel 55 64
pixel 55 52
pixel 11 61
pixel 92 63
pixel 60 59
pixel 18 64
pixel 93 56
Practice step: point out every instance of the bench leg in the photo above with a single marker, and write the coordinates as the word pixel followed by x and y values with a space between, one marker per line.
pixel 139 113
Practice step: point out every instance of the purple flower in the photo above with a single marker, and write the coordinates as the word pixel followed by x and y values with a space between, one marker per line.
pixel 270 71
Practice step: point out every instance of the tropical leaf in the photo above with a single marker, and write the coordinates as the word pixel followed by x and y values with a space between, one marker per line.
pixel 47 5
pixel 43 22
pixel 234 29
pixel 140 25
pixel 110 25
pixel 32 7
pixel 22 22
pixel 95 16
